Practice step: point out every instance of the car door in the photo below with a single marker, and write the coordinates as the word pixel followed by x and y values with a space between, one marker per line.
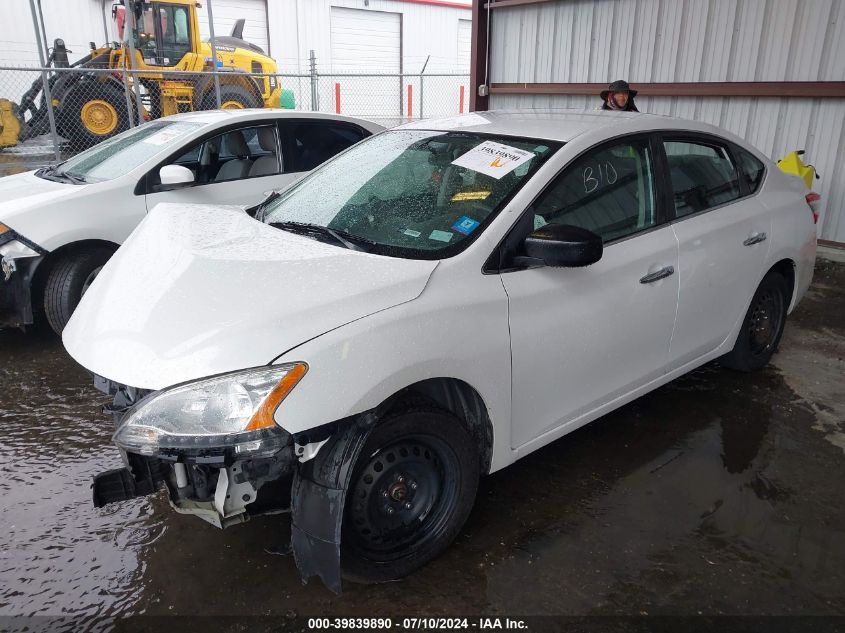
pixel 722 236
pixel 235 167
pixel 582 337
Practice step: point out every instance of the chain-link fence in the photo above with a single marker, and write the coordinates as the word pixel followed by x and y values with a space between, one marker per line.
pixel 56 112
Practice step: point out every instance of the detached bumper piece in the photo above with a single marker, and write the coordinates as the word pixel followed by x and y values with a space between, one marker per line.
pixel 142 478
pixel 15 294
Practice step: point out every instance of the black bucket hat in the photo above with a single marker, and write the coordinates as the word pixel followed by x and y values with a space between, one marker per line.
pixel 620 85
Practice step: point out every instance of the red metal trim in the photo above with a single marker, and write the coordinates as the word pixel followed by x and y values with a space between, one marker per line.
pixel 410 101
pixel 499 4
pixel 478 62
pixel 337 98
pixel 442 3
pixel 461 97
pixel 807 89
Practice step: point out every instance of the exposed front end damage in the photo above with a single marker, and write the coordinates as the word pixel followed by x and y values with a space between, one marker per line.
pixel 16 275
pixel 305 474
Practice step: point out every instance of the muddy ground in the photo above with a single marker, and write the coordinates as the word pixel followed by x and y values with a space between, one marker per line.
pixel 720 493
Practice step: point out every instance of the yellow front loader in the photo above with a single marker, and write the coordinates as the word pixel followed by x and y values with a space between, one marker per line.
pixel 169 57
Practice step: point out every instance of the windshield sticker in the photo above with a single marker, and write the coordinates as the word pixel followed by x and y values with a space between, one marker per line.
pixel 463 196
pixel 412 232
pixel 493 159
pixel 465 225
pixel 441 236
pixel 168 134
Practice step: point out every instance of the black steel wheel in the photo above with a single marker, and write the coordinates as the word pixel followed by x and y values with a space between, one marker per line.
pixel 412 490
pixel 763 326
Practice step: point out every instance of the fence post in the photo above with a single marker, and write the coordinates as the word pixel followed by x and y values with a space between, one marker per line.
pixel 315 106
pixel 213 54
pixel 461 104
pixel 410 101
pixel 130 10
pixel 337 98
pixel 421 84
pixel 46 83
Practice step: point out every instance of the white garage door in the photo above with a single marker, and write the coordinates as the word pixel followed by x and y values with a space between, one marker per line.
pixel 365 41
pixel 464 45
pixel 227 12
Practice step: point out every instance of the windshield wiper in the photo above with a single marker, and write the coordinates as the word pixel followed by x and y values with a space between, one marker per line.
pixel 347 240
pixel 51 173
pixel 258 210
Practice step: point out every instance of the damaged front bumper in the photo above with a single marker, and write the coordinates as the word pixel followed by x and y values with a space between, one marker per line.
pixel 16 290
pixel 308 476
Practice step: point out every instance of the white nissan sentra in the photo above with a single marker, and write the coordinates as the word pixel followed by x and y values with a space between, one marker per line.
pixel 428 307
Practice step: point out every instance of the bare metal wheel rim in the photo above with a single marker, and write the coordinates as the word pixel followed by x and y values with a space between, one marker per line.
pixel 764 324
pixel 90 279
pixel 403 497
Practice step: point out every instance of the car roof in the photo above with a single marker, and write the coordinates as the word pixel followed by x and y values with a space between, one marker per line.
pixel 559 125
pixel 224 117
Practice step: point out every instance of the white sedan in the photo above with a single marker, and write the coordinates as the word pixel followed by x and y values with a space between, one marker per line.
pixel 428 307
pixel 59 225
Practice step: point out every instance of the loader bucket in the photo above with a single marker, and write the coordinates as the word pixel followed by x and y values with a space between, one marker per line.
pixel 10 125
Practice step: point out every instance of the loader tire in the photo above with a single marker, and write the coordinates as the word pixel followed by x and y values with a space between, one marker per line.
pixel 231 98
pixel 92 112
pixel 68 280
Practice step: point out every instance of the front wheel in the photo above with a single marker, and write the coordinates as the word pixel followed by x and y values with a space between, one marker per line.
pixel 411 491
pixel 67 281
pixel 763 326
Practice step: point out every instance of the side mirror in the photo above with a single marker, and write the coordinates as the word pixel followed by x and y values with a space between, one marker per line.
pixel 174 177
pixel 562 245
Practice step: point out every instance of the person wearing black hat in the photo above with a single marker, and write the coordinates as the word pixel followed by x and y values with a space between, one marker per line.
pixel 619 96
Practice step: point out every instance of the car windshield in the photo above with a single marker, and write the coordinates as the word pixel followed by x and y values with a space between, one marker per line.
pixel 410 193
pixel 124 152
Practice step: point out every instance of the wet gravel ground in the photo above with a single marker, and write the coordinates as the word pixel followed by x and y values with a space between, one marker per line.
pixel 720 493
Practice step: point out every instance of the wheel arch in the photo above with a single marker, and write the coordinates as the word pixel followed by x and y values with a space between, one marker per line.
pixel 39 279
pixel 786 267
pixel 459 398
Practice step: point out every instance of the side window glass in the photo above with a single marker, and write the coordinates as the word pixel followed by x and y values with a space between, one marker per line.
pixel 245 153
pixel 751 169
pixel 315 143
pixel 703 176
pixel 609 191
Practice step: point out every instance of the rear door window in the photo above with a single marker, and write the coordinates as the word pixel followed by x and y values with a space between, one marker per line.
pixel 751 169
pixel 312 143
pixel 703 175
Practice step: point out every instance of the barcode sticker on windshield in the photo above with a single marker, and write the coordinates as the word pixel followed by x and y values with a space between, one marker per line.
pixel 493 159
pixel 170 133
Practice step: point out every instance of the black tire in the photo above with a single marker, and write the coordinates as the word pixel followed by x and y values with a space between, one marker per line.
pixel 91 112
pixel 762 327
pixel 67 281
pixel 231 94
pixel 423 465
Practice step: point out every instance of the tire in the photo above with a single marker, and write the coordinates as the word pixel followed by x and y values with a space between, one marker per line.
pixel 92 112
pixel 67 281
pixel 422 464
pixel 762 327
pixel 231 97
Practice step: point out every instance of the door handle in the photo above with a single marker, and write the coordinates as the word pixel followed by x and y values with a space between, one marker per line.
pixel 755 238
pixel 658 275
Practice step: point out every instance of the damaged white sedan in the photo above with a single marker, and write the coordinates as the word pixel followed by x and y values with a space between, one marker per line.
pixel 428 307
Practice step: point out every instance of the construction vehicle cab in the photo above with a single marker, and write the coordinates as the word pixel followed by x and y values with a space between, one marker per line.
pixel 170 65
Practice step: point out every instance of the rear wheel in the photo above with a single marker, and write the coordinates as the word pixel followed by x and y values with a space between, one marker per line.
pixel 67 281
pixel 411 491
pixel 763 326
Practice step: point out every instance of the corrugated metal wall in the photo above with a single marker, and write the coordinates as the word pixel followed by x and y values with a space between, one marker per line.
pixel 691 41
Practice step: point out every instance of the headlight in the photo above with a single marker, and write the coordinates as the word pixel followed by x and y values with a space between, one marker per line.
pixel 15 250
pixel 214 417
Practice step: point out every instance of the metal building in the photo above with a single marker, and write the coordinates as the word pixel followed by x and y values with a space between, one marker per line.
pixel 771 71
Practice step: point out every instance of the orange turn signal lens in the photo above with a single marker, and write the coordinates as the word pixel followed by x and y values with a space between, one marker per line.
pixel 263 417
pixel 3 228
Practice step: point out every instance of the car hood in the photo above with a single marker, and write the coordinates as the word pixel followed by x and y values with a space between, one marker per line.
pixel 22 193
pixel 199 290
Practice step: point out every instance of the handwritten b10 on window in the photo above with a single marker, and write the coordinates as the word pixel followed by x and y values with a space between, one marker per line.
pixel 603 174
